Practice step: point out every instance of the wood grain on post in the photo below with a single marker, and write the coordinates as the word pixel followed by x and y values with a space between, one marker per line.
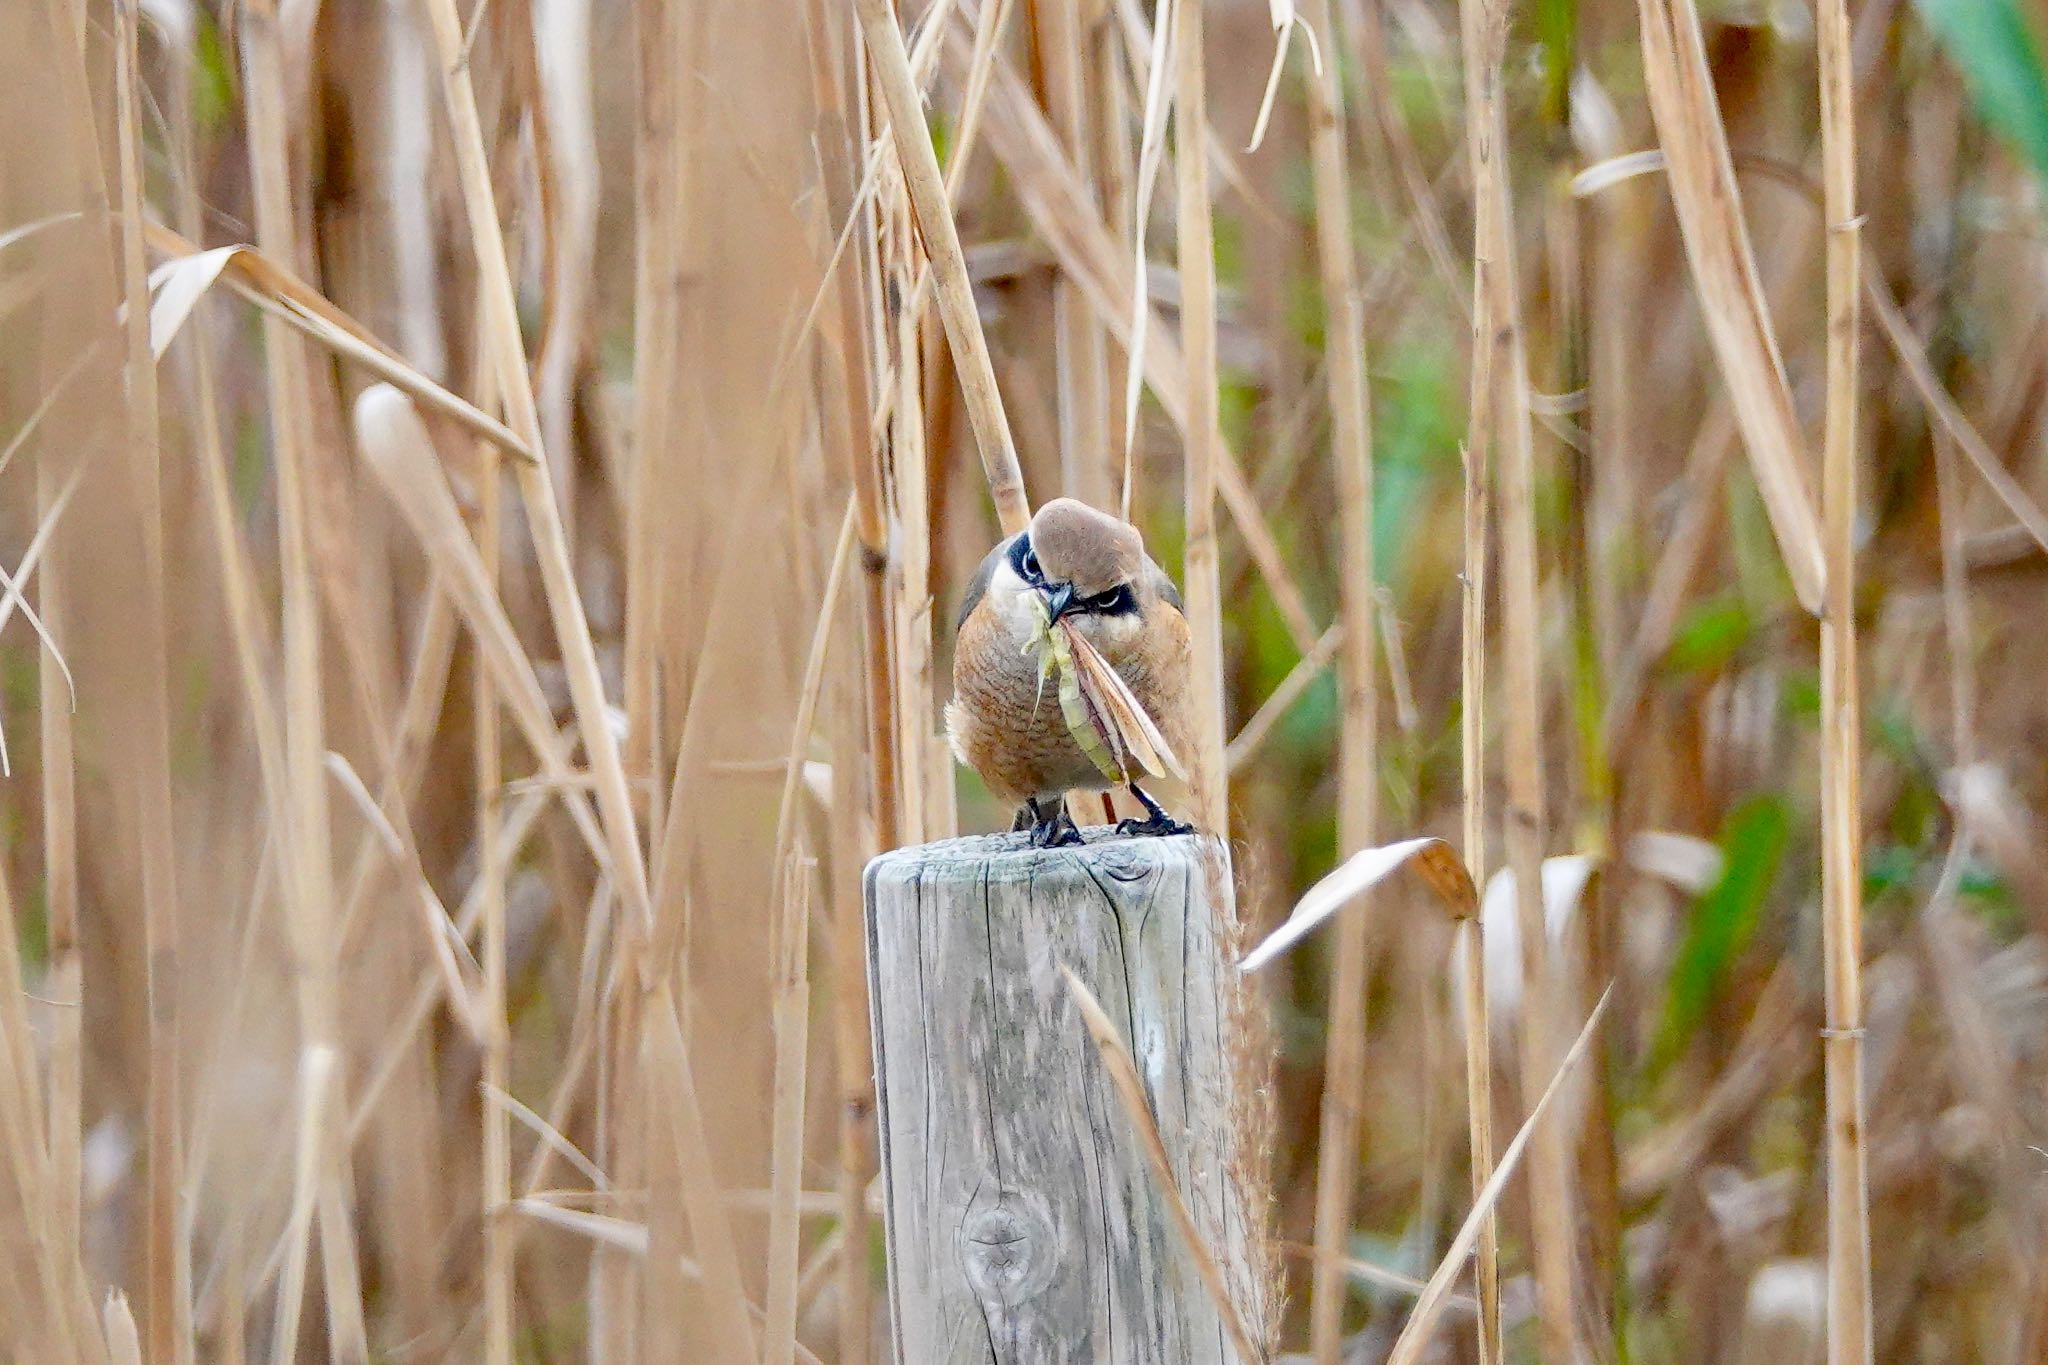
pixel 1023 1223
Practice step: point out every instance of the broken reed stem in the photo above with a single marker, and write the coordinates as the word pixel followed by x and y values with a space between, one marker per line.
pixel 927 190
pixel 1201 586
pixel 1849 1325
pixel 169 1312
pixel 1484 28
pixel 1357 768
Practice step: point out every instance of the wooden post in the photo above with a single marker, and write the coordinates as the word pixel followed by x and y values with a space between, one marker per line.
pixel 1023 1222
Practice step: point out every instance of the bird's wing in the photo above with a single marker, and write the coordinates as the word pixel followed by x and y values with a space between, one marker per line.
pixel 977 586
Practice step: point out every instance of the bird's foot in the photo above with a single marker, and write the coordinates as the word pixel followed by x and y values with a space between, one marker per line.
pixel 1157 826
pixel 1157 823
pixel 1059 831
pixel 1053 828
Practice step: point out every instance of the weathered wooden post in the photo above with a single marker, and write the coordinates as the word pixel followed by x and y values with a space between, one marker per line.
pixel 1024 1225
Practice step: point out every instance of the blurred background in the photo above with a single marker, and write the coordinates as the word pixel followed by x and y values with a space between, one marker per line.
pixel 430 844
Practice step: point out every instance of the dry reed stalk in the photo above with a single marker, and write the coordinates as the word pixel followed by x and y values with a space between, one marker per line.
pixel 657 323
pixel 666 1071
pixel 564 120
pixel 1849 1334
pixel 316 1068
pixel 496 1026
pixel 1245 743
pixel 1414 1339
pixel 1130 1092
pixel 791 1011
pixel 852 843
pixel 1499 365
pixel 65 981
pixel 1472 1003
pixel 1724 275
pixel 502 342
pixel 1913 357
pixel 303 819
pixel 1208 777
pixel 927 192
pixel 1081 359
pixel 38 1310
pixel 910 565
pixel 169 1256
pixel 1357 767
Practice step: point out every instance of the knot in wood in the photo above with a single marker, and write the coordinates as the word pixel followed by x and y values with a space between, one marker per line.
pixel 1007 1249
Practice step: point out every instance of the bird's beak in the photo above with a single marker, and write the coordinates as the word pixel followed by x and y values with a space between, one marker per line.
pixel 1059 602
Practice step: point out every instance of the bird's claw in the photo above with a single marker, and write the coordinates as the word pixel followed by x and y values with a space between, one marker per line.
pixel 1158 826
pixel 1049 829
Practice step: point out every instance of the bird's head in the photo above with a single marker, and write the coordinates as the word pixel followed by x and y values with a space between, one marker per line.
pixel 1087 565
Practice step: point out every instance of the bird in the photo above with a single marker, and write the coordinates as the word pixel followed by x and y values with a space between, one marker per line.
pixel 1077 564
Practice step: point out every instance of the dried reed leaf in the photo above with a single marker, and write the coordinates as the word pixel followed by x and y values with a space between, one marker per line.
pixel 1130 1090
pixel 1724 274
pixel 1285 21
pixel 261 281
pixel 1432 859
pixel 1436 1295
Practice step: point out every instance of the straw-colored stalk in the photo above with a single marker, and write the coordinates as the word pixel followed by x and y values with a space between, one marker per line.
pixel 1849 1339
pixel 1201 588
pixel 496 1165
pixel 1414 1338
pixel 502 342
pixel 790 1007
pixel 657 308
pixel 1478 499
pixel 305 830
pixel 1498 347
pixel 65 983
pixel 169 1257
pixel 910 566
pixel 1081 359
pixel 1130 1093
pixel 927 191
pixel 1357 770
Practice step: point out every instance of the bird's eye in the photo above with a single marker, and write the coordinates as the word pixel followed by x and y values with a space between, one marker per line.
pixel 1032 573
pixel 1115 600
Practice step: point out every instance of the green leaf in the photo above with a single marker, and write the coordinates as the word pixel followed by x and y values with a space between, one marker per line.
pixel 1709 635
pixel 1725 919
pixel 1993 44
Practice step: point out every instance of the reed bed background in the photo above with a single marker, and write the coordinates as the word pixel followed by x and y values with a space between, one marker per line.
pixel 484 490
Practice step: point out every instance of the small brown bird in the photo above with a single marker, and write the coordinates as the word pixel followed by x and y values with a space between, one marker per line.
pixel 1073 564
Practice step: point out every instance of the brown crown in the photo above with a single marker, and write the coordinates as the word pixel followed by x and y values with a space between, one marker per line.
pixel 1090 549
